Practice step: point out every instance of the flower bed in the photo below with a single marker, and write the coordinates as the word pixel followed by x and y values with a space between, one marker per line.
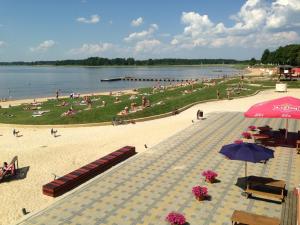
pixel 209 175
pixel 246 135
pixel 252 128
pixel 199 192
pixel 238 142
pixel 175 218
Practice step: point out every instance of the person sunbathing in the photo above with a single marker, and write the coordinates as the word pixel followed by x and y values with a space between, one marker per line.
pixel 70 112
pixel 6 168
pixel 117 100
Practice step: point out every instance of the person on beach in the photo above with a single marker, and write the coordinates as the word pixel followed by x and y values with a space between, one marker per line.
pixel 57 94
pixel 228 94
pixel 199 114
pixel 15 132
pixel 218 94
pixel 144 101
pixel 175 111
pixel 5 167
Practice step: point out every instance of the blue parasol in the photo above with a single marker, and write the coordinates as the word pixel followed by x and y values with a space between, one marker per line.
pixel 248 152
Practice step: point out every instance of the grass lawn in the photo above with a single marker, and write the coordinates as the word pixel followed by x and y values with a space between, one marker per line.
pixel 170 99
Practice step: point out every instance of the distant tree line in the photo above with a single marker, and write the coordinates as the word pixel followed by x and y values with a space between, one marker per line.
pixel 289 54
pixel 98 61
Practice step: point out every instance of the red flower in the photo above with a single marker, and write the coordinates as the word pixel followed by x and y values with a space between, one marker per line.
pixel 175 218
pixel 238 142
pixel 199 191
pixel 252 128
pixel 209 175
pixel 246 135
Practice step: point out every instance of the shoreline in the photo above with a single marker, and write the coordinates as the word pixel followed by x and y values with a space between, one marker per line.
pixel 16 102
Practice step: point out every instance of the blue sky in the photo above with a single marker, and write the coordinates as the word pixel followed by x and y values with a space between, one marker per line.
pixel 73 29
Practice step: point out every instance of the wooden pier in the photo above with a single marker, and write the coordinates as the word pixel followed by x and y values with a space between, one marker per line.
pixel 147 79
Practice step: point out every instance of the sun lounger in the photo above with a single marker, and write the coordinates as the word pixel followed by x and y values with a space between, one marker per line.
pixel 266 187
pixel 246 218
pixel 11 170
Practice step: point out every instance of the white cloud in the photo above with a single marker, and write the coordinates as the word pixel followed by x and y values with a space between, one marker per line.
pixel 2 43
pixel 147 45
pixel 259 23
pixel 92 20
pixel 44 46
pixel 92 49
pixel 137 22
pixel 142 35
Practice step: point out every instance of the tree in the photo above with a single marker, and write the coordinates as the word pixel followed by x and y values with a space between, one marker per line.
pixel 252 62
pixel 265 56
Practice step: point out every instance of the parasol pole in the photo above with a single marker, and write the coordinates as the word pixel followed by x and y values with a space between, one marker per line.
pixel 286 129
pixel 246 178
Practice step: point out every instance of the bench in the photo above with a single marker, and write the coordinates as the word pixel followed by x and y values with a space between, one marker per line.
pixel 246 218
pixel 13 166
pixel 266 187
pixel 71 180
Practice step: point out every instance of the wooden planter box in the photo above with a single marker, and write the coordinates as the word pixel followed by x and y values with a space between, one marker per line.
pixel 71 180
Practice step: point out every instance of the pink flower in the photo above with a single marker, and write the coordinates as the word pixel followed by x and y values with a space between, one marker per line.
pixel 246 135
pixel 199 191
pixel 209 175
pixel 175 218
pixel 238 142
pixel 252 128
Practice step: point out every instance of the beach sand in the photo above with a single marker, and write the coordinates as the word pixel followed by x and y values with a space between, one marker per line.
pixel 76 146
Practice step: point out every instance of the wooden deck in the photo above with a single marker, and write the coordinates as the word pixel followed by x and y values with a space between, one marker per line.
pixel 289 210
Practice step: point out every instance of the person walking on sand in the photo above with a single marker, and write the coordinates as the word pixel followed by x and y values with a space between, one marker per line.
pixel 228 94
pixel 218 94
pixel 57 94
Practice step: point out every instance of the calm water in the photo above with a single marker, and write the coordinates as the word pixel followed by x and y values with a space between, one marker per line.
pixel 19 82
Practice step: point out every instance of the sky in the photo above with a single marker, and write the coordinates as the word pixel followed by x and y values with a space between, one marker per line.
pixel 33 30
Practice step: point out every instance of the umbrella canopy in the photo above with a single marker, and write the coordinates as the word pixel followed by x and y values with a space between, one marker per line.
pixel 247 152
pixel 286 107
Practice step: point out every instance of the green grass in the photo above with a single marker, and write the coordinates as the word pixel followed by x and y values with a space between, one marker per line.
pixel 172 98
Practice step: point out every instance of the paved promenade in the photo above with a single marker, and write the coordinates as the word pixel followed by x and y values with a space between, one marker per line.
pixel 145 188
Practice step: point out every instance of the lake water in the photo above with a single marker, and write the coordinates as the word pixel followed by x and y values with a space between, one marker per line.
pixel 19 82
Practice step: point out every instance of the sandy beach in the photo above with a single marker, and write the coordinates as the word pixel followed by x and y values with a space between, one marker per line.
pixel 74 147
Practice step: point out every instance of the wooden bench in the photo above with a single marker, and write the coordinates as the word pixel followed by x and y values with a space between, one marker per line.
pixel 266 187
pixel 71 180
pixel 13 165
pixel 246 218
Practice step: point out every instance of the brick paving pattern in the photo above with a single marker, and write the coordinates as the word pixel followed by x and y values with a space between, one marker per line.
pixel 144 189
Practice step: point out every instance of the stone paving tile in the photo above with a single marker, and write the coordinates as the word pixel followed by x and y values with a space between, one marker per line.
pixel 144 189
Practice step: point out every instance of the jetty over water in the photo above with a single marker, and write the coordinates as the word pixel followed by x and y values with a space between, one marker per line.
pixel 147 79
